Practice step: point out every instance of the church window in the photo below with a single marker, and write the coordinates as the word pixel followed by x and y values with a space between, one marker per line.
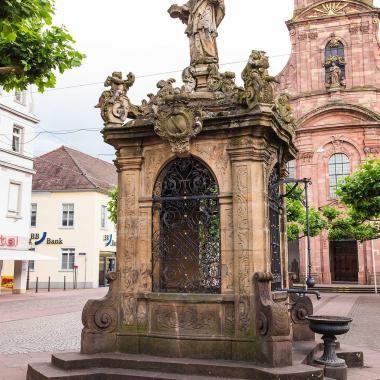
pixel 339 167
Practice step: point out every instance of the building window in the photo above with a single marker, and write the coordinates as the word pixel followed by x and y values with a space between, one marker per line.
pixel 339 167
pixel 14 198
pixel 31 265
pixel 67 215
pixel 33 215
pixel 20 97
pixel 335 65
pixel 17 139
pixel 292 169
pixel 68 258
pixel 103 216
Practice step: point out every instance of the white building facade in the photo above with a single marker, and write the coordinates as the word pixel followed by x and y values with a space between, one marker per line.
pixel 17 123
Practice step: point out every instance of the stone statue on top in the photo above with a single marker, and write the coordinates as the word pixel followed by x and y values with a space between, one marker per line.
pixel 202 18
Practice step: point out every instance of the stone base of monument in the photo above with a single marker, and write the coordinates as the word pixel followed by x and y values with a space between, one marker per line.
pixel 124 366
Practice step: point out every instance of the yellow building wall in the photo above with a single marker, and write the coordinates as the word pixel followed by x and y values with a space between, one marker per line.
pixel 86 236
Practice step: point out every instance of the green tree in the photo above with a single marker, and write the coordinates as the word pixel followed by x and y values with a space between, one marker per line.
pixel 112 204
pixel 31 48
pixel 296 215
pixel 360 192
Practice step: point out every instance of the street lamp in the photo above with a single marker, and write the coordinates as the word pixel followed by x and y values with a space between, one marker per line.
pixel 310 281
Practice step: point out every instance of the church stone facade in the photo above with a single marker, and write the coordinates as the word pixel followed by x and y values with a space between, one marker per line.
pixel 333 80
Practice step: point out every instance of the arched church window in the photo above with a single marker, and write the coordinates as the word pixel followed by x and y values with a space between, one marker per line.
pixel 186 229
pixel 335 65
pixel 339 167
pixel 274 227
pixel 291 166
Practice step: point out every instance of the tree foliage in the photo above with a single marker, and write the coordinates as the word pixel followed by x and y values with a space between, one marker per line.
pixel 31 48
pixel 112 204
pixel 296 215
pixel 360 191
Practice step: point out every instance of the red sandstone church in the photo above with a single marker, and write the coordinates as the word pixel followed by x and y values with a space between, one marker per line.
pixel 333 80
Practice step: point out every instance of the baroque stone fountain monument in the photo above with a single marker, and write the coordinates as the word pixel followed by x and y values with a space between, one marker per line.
pixel 201 235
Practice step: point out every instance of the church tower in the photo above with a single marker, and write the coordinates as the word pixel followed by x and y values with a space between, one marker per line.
pixel 333 80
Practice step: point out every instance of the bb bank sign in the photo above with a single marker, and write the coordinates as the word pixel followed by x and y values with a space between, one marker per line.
pixel 43 238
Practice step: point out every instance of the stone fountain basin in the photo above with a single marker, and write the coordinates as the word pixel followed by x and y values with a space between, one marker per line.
pixel 331 325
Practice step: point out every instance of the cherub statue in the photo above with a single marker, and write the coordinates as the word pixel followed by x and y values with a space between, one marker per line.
pixel 257 81
pixel 114 103
pixel 188 80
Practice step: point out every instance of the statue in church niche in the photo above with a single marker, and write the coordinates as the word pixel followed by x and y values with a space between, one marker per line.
pixel 114 103
pixel 257 81
pixel 336 79
pixel 202 18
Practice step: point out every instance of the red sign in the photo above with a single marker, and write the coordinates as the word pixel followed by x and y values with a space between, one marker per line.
pixel 8 241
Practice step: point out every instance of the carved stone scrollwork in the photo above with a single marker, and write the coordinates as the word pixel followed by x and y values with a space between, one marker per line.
pixel 301 308
pixel 257 82
pixel 272 319
pixel 284 109
pixel 178 126
pixel 222 84
pixel 100 316
pixel 114 104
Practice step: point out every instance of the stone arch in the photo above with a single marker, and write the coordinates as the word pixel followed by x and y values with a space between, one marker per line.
pixel 186 228
pixel 303 15
pixel 360 112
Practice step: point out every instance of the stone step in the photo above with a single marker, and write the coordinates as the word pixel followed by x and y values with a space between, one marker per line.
pixel 123 366
pixel 336 288
pixel 45 371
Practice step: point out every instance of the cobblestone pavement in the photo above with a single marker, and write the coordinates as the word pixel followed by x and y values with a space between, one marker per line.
pixel 43 322
pixel 33 325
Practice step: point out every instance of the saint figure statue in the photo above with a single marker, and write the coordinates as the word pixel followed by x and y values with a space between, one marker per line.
pixel 202 18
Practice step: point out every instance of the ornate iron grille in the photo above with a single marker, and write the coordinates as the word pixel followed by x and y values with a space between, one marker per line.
pixel 186 236
pixel 274 224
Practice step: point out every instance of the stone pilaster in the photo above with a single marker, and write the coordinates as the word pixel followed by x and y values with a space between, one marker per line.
pixel 128 163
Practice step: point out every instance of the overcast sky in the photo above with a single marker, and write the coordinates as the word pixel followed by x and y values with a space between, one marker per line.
pixel 140 36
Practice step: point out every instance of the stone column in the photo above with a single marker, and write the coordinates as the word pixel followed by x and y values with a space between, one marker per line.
pixel 249 233
pixel 129 168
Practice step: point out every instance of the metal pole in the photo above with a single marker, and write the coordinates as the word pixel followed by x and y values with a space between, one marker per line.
pixel 27 278
pixel 36 284
pixel 374 266
pixel 49 285
pixel 85 271
pixel 310 280
pixel 64 282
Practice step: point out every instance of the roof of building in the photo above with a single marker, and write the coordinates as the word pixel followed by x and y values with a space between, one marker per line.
pixel 68 169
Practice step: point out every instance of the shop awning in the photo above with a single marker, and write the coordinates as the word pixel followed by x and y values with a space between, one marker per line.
pixel 14 254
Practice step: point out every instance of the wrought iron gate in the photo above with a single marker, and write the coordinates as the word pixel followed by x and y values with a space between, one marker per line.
pixel 186 236
pixel 274 225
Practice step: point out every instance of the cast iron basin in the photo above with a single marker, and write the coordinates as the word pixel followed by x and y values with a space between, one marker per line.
pixel 329 326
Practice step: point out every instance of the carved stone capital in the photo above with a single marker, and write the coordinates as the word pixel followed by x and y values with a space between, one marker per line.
pixel 128 163
pixel 306 157
pixel 247 148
